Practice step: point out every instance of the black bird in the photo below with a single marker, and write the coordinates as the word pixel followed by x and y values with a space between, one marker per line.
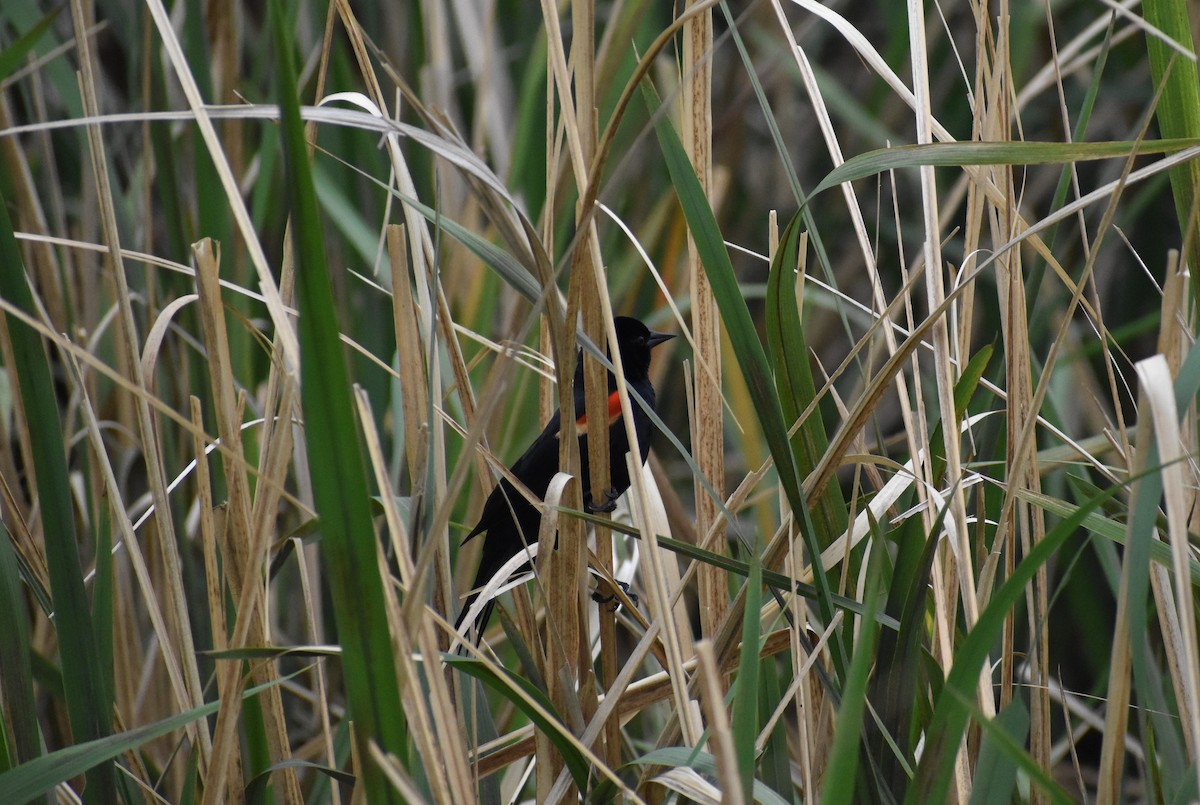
pixel 511 521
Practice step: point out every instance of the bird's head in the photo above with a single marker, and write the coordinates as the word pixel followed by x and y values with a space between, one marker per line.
pixel 635 341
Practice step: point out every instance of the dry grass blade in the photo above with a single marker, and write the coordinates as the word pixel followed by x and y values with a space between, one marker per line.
pixel 180 643
pixel 244 547
pixel 720 739
pixel 1159 391
pixel 158 619
pixel 707 422
pixel 236 205
pixel 1117 700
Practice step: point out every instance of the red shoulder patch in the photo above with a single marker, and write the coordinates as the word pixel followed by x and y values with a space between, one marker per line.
pixel 614 411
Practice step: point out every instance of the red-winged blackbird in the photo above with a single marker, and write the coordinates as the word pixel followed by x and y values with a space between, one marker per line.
pixel 511 521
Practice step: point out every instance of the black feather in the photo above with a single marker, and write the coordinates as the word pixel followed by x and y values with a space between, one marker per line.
pixel 509 521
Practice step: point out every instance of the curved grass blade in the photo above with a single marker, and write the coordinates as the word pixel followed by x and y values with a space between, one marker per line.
pixel 995 773
pixel 503 263
pixel 1102 526
pixel 745 694
pixel 1002 755
pixel 703 762
pixel 257 789
pixel 39 776
pixel 14 55
pixel 894 684
pixel 771 578
pixel 576 764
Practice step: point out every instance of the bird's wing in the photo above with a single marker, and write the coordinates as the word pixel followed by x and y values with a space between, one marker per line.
pixel 614 411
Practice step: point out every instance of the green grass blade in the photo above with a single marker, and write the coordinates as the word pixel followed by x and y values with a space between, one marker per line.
pixel 103 596
pixel 1178 110
pixel 1003 755
pixel 794 380
pixel 995 772
pixel 703 762
pixel 38 777
pixel 16 669
pixel 894 684
pixel 1149 692
pixel 950 714
pixel 964 390
pixel 1102 526
pixel 340 489
pixel 745 703
pixel 771 578
pixel 774 765
pixel 735 316
pixel 506 686
pixel 841 773
pixel 14 55
pixel 503 263
pixel 882 160
pixel 89 704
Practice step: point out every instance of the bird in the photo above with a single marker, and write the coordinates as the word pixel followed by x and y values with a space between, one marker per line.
pixel 509 521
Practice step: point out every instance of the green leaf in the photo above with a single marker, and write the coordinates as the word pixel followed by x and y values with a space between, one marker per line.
pixel 39 776
pixel 703 762
pixel 1004 745
pixel 964 390
pixel 771 578
pixel 841 773
pixel 894 685
pixel 1149 693
pixel 739 326
pixel 12 56
pixel 340 489
pixel 1102 526
pixel 257 788
pixel 89 703
pixel 995 770
pixel 507 686
pixel 946 155
pixel 794 380
pixel 504 264
pixel 745 702
pixel 775 767
pixel 16 669
pixel 1178 107
pixel 950 714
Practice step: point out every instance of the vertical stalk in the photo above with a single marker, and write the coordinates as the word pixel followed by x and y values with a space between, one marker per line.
pixel 707 435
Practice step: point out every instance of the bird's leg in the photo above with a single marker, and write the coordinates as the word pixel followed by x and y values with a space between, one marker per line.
pixel 609 504
pixel 613 599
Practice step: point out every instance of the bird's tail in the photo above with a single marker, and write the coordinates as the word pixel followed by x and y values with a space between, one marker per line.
pixel 512 564
pixel 481 622
pixel 489 566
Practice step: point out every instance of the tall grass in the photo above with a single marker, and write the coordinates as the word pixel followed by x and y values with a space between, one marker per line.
pixel 285 291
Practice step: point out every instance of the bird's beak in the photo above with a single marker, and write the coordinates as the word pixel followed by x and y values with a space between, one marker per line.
pixel 657 338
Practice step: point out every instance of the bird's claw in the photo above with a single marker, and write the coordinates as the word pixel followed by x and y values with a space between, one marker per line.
pixel 608 506
pixel 614 600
